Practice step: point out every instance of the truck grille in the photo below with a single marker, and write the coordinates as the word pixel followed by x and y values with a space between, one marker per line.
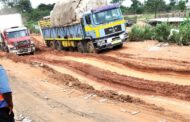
pixel 22 43
pixel 113 29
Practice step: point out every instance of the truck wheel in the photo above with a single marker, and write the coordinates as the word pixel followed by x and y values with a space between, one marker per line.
pixel 32 53
pixel 59 45
pixel 90 47
pixel 71 49
pixel 47 43
pixel 80 47
pixel 52 45
pixel 119 46
pixel 6 49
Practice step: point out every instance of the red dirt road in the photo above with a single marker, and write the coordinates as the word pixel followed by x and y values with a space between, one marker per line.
pixel 149 72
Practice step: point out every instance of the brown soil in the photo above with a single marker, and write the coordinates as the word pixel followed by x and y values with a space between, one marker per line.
pixel 168 63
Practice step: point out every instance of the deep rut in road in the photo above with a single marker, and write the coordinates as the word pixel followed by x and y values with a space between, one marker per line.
pixel 109 78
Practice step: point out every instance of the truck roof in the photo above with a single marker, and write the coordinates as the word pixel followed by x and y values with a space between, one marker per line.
pixel 15 29
pixel 107 7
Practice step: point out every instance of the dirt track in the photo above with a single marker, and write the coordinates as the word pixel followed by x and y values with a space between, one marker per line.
pixel 157 77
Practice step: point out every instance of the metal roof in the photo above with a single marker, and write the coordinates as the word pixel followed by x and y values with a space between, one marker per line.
pixel 172 19
pixel 15 29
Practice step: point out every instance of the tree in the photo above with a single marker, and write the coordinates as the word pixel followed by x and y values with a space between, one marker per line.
pixel 24 6
pixel 124 9
pixel 172 5
pixel 172 2
pixel 182 5
pixel 117 1
pixel 46 7
pixel 136 7
pixel 155 6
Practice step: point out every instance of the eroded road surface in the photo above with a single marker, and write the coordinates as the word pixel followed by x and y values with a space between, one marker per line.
pixel 144 81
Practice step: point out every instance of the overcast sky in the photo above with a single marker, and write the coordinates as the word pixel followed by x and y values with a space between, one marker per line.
pixel 35 3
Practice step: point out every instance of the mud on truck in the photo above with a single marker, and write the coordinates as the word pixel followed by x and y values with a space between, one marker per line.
pixel 16 40
pixel 99 29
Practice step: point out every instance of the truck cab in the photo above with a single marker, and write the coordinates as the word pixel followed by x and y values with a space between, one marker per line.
pixel 105 26
pixel 17 40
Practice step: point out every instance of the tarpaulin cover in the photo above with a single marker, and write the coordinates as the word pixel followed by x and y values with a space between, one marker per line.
pixel 68 12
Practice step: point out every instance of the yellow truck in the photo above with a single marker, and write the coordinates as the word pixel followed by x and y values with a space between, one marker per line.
pixel 99 29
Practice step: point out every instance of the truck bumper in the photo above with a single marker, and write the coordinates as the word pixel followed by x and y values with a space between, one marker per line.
pixel 23 51
pixel 111 42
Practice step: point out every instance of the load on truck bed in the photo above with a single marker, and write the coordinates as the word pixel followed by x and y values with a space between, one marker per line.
pixel 98 29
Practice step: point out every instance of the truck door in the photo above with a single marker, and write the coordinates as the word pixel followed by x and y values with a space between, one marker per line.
pixel 88 26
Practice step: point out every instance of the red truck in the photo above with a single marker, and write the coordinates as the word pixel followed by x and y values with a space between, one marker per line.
pixel 15 39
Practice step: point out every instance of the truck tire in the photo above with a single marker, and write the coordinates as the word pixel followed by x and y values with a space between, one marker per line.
pixel 80 47
pixel 32 53
pixel 119 46
pixel 52 44
pixel 47 43
pixel 6 49
pixel 59 45
pixel 90 47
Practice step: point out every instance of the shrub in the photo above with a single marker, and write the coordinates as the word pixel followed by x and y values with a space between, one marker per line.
pixel 162 32
pixel 183 36
pixel 140 33
pixel 149 32
pixel 175 37
pixel 136 33
pixel 184 33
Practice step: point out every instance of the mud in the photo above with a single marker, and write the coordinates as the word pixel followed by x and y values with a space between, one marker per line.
pixel 129 83
pixel 147 64
pixel 132 84
pixel 115 80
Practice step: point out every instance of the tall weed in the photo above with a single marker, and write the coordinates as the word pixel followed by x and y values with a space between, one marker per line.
pixel 162 32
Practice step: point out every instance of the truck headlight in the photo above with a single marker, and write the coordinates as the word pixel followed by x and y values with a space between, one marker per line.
pixel 109 40
pixel 15 44
pixel 11 47
pixel 122 36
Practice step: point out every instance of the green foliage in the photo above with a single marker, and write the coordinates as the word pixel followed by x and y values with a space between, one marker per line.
pixel 182 5
pixel 155 6
pixel 46 7
pixel 117 1
pixel 36 15
pixel 183 37
pixel 174 38
pixel 162 32
pixel 31 26
pixel 139 33
pixel 124 10
pixel 136 7
pixel 149 32
pixel 24 6
pixel 136 33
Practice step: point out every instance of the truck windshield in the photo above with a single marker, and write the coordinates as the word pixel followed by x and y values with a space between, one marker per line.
pixel 17 34
pixel 107 16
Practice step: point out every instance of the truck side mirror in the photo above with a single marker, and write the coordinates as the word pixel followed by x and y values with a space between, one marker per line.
pixel 28 32
pixel 88 20
pixel 5 36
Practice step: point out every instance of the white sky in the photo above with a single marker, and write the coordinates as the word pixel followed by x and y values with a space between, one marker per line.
pixel 35 3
